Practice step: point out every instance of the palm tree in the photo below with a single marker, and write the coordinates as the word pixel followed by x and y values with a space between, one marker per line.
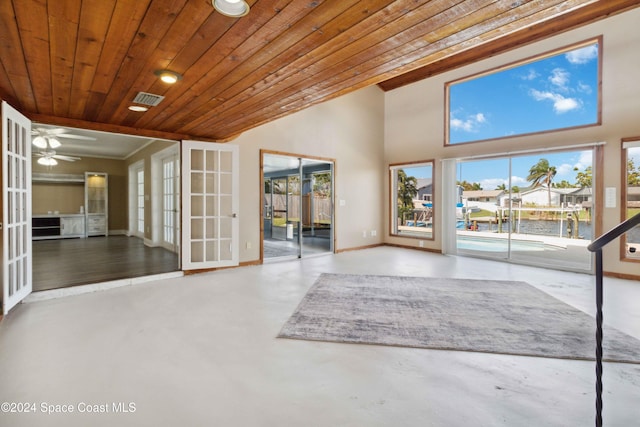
pixel 407 190
pixel 542 174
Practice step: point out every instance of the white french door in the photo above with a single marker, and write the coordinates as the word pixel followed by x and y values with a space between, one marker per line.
pixel 16 208
pixel 170 202
pixel 210 185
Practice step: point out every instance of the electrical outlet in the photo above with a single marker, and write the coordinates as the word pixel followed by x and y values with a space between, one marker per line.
pixel 421 243
pixel 248 245
pixel 374 233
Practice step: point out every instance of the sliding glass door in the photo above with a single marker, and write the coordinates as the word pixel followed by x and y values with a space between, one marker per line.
pixel 297 206
pixel 534 209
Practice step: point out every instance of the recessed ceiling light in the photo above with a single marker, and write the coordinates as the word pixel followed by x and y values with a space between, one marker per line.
pixel 168 76
pixel 138 108
pixel 232 8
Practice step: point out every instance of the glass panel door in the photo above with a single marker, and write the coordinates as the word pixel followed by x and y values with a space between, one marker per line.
pixel 210 203
pixel 17 272
pixel 534 209
pixel 297 206
pixel 553 213
pixel 170 202
pixel 482 208
pixel 317 207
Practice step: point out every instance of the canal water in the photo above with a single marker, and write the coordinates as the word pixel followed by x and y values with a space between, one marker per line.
pixel 550 228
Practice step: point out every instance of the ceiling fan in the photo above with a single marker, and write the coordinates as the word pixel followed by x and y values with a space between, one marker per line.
pixel 44 138
pixel 48 157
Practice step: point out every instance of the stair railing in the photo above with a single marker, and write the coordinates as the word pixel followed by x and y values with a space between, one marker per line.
pixel 596 246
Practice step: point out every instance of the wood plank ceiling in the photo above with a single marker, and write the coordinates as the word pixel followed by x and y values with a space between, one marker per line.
pixel 81 62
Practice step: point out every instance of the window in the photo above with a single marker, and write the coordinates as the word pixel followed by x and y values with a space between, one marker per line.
pixel 558 90
pixel 630 242
pixel 412 199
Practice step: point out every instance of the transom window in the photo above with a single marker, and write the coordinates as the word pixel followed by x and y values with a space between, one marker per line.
pixel 557 90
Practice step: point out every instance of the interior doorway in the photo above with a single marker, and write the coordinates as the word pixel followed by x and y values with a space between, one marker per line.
pixel 297 201
pixel 140 200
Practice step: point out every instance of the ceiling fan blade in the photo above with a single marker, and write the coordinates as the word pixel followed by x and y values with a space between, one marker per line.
pixel 71 136
pixel 67 158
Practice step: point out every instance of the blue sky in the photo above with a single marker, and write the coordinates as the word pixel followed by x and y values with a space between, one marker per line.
pixel 552 93
pixel 492 172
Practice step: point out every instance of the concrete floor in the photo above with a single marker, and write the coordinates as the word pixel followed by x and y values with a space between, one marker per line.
pixel 201 351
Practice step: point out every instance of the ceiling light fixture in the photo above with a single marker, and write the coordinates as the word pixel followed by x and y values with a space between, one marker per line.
pixel 168 76
pixel 137 108
pixel 39 142
pixel 43 142
pixel 53 143
pixel 232 8
pixel 47 161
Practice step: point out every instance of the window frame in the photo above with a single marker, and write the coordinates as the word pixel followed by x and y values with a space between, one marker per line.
pixel 514 64
pixel 623 194
pixel 393 213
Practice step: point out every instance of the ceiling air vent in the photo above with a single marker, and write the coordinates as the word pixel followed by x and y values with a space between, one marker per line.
pixel 149 99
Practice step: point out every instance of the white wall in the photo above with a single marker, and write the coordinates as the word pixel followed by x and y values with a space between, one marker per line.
pixel 414 117
pixel 348 129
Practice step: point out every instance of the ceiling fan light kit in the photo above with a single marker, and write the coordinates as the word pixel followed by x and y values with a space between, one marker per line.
pixel 47 161
pixel 231 8
pixel 53 143
pixel 46 140
pixel 39 142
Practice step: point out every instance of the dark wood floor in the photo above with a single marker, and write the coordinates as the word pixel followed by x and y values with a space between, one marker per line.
pixel 68 262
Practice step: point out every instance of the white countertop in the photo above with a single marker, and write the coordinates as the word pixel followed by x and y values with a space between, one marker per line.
pixel 56 215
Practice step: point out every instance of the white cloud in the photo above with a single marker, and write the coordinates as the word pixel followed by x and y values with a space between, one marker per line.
pixel 471 124
pixel 519 181
pixel 585 160
pixel 560 103
pixel 531 75
pixel 564 169
pixel 493 183
pixel 559 78
pixel 582 56
pixel 584 88
pixel 458 124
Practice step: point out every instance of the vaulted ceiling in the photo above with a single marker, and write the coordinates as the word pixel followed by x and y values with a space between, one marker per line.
pixel 82 62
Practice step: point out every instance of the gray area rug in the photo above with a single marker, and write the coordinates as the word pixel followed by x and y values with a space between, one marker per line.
pixel 492 316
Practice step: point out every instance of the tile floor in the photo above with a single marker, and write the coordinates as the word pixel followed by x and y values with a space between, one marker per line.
pixel 201 350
